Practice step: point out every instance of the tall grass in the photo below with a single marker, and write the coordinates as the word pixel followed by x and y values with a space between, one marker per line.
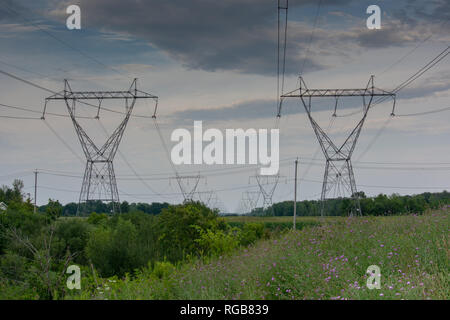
pixel 319 262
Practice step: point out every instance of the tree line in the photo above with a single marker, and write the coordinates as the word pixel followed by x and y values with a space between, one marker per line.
pixel 71 208
pixel 375 206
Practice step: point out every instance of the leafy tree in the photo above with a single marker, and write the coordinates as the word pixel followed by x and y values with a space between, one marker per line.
pixel 70 209
pixel 124 207
pixel 97 218
pixel 379 205
pixel 71 235
pixel 182 224
pixel 54 209
pixel 113 251
pixel 12 195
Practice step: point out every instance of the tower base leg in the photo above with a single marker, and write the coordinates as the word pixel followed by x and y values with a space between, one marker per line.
pixel 338 182
pixel 99 184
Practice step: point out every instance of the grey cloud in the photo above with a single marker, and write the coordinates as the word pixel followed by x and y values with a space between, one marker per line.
pixel 253 109
pixel 261 109
pixel 387 37
pixel 436 11
pixel 240 35
pixel 424 90
pixel 9 10
pixel 256 109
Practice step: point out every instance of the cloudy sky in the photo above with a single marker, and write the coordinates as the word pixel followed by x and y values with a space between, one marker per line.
pixel 216 61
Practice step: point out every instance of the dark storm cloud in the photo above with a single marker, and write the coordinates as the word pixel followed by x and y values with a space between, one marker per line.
pixel 435 11
pixel 238 35
pixel 9 10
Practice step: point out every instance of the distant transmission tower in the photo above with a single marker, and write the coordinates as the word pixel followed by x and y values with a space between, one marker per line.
pixel 267 185
pixel 99 181
pixel 339 175
pixel 208 198
pixel 250 200
pixel 188 185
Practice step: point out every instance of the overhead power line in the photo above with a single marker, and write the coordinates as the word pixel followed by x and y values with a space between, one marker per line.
pixel 20 118
pixel 129 164
pixel 419 44
pixel 66 44
pixel 410 80
pixel 424 69
pixel 26 81
pixel 423 113
pixel 28 109
pixel 403 85
pixel 406 55
pixel 103 108
pixel 245 187
pixel 63 141
pixel 319 4
pixel 427 165
pixel 8 74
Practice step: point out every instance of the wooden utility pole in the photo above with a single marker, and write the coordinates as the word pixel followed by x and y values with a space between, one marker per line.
pixel 295 193
pixel 35 189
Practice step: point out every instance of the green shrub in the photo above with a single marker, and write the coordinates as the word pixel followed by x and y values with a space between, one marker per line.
pixel 216 243
pixel 250 233
pixel 71 235
pixel 113 251
pixel 20 218
pixel 181 225
pixel 162 269
pixel 97 218
pixel 98 250
pixel 53 209
pixel 13 267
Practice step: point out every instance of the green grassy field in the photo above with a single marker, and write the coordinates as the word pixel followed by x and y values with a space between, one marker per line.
pixel 327 261
pixel 274 225
pixel 247 219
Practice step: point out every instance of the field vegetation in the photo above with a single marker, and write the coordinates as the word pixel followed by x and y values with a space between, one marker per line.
pixel 189 252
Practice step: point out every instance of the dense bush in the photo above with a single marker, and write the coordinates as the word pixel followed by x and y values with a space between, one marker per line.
pixel 23 219
pixel 13 266
pixel 71 235
pixel 97 218
pixel 162 270
pixel 130 241
pixel 251 232
pixel 218 242
pixel 36 248
pixel 113 251
pixel 181 225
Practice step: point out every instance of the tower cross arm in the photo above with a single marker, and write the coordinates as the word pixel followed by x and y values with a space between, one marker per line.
pixel 100 95
pixel 305 92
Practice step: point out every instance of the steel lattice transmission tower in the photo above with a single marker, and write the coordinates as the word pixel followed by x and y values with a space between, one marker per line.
pixel 209 198
pixel 338 169
pixel 99 181
pixel 267 185
pixel 250 200
pixel 188 185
